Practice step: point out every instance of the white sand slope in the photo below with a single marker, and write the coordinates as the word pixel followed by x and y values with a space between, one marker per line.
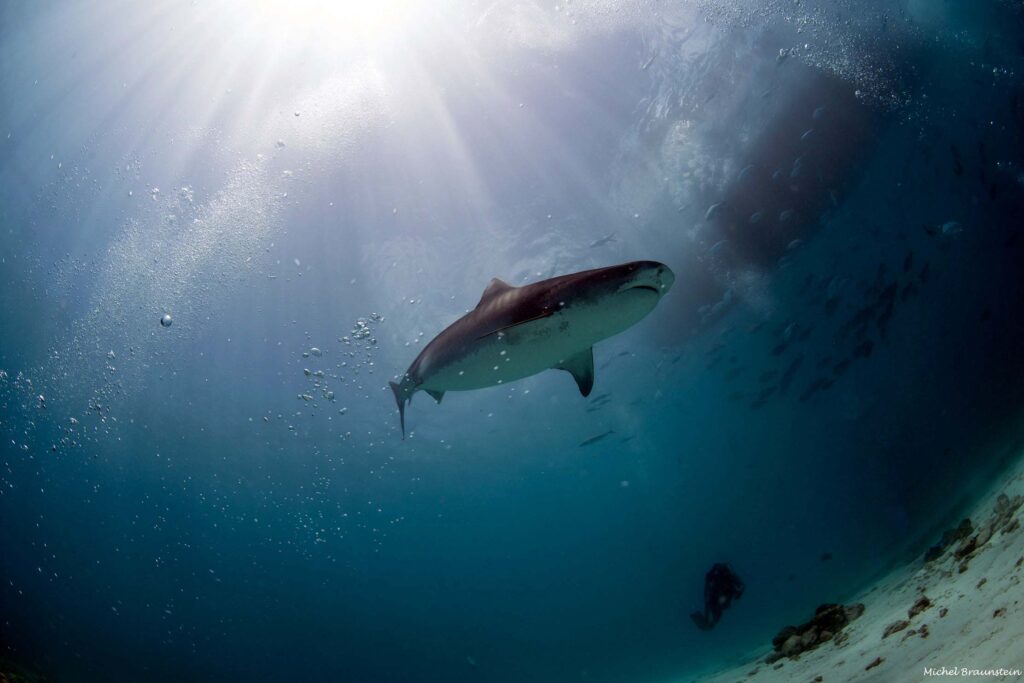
pixel 972 630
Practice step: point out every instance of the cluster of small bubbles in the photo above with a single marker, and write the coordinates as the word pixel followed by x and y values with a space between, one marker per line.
pixel 362 330
pixel 996 71
pixel 23 402
pixel 341 367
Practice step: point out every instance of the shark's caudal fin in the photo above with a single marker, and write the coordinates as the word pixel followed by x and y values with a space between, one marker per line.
pixel 395 387
pixel 581 367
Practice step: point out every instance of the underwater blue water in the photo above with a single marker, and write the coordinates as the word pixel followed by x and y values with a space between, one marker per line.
pixel 313 191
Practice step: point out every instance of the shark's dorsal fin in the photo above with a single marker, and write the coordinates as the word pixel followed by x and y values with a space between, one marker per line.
pixel 581 367
pixel 436 395
pixel 494 287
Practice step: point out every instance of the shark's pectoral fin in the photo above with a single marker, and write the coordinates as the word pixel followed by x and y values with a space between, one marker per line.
pixel 436 395
pixel 581 367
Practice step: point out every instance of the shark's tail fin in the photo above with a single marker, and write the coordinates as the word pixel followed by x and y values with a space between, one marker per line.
pixel 397 388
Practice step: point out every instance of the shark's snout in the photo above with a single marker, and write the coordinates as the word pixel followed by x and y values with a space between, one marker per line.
pixel 665 277
pixel 650 275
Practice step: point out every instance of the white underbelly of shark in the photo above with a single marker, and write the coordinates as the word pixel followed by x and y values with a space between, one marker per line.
pixel 540 345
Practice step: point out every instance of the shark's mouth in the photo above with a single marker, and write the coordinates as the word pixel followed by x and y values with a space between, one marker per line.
pixel 648 288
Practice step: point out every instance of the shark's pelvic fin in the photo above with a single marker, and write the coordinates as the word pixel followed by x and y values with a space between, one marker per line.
pixel 436 395
pixel 401 405
pixel 581 367
pixel 494 287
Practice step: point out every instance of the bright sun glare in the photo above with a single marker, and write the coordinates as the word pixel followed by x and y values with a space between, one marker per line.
pixel 343 23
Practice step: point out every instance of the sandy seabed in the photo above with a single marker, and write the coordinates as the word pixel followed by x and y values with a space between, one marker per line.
pixel 958 616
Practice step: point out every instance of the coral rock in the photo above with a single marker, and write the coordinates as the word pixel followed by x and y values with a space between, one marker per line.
pixel 826 625
pixel 783 636
pixel 921 605
pixel 895 627
pixel 793 645
pixel 949 537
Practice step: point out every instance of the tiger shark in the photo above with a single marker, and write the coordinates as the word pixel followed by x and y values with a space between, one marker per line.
pixel 515 332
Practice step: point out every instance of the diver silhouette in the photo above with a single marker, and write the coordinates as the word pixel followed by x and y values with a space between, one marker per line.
pixel 721 587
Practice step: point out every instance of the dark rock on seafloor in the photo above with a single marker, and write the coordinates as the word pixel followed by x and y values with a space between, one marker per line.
pixel 895 627
pixel 921 605
pixel 827 624
pixel 1002 520
pixel 966 548
pixel 949 537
